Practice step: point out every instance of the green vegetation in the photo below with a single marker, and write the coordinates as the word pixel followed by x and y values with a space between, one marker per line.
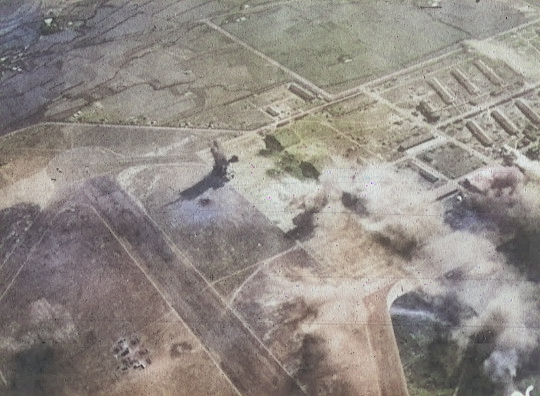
pixel 300 150
pixel 434 363
pixel 430 358
pixel 281 139
pixel 339 45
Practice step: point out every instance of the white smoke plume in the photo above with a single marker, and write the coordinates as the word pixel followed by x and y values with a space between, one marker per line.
pixel 403 214
pixel 392 206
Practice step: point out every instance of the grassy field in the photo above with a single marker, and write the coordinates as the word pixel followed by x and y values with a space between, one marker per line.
pixel 338 46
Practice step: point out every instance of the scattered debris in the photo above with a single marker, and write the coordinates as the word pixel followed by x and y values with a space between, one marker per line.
pixel 131 354
pixel 51 25
pixel 180 348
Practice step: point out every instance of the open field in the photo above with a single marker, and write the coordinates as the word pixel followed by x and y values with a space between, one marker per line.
pixel 320 330
pixel 240 355
pixel 451 160
pixel 219 230
pixel 67 306
pixel 339 46
pixel 128 68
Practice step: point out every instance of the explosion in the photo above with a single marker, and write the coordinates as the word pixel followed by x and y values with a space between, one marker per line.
pixel 459 249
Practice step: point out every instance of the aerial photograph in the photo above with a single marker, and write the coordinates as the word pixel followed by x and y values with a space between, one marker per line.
pixel 270 197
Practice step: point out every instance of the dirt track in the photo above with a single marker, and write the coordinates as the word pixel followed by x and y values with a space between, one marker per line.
pixel 390 376
pixel 247 363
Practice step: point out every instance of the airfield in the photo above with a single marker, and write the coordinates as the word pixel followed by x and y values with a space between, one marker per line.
pixel 371 229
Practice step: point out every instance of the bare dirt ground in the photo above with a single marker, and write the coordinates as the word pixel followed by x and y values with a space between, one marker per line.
pixel 323 331
pixel 66 305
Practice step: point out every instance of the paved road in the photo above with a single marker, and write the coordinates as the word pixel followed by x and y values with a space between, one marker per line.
pixel 390 376
pixel 273 62
pixel 246 362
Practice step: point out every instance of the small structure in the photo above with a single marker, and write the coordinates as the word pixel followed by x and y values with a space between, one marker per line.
pixel 479 133
pixel 504 122
pixel 464 81
pixel 488 72
pixel 432 4
pixel 415 141
pixel 428 111
pixel 447 191
pixel 345 59
pixel 273 111
pixel 528 112
pixel 424 171
pixel 531 133
pixel 441 90
pixel 302 93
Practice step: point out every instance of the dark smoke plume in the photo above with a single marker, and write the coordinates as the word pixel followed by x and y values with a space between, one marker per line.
pixel 504 202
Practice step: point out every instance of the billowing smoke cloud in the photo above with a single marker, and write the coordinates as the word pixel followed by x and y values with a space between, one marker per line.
pixel 509 198
pixel 440 247
pixel 502 365
pixel 392 205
